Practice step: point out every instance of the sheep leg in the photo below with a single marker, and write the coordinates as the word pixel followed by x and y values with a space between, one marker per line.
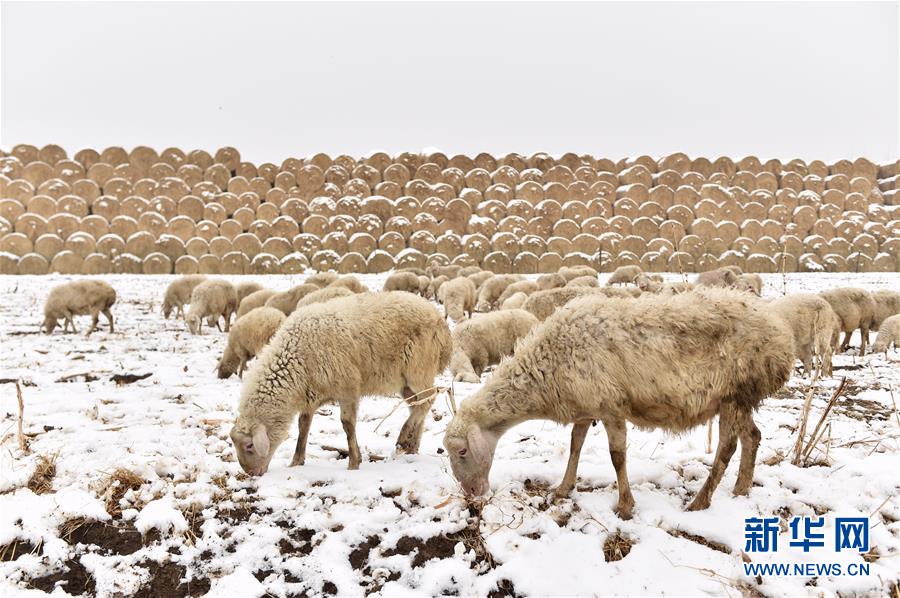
pixel 304 421
pixel 864 333
pixel 846 344
pixel 227 316
pixel 724 451
pixel 579 431
pixel 411 432
pixel 95 318
pixel 348 421
pixel 72 324
pixel 750 436
pixel 109 318
pixel 616 434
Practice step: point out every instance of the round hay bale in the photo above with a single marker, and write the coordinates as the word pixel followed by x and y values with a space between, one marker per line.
pixel 884 262
pixel 559 245
pixel 464 260
pixel 844 228
pixel 161 170
pixel 831 197
pixel 767 246
pixel 686 196
pixel 455 178
pixel 492 209
pixel 620 224
pixel 567 229
pixel 96 263
pixel 140 244
pixel 100 173
pixel 352 263
pixel 54 188
pixel 680 261
pixel 182 227
pixel 219 246
pixel 625 258
pixel 218 175
pixel 20 190
pixel 246 243
pixel 379 261
pixel 752 229
pixel 477 246
pixel 528 191
pixel 230 228
pixel 152 223
pixel 80 243
pixel 87 157
pixel 392 242
pixel 645 228
pixel 336 175
pixel 264 263
pixel 156 263
pixel 792 181
pixel 437 260
pixel 17 244
pixel 250 200
pixel 244 216
pixel 114 155
pixel 549 262
pixel 307 244
pixel 72 204
pixel 609 242
pixel 586 244
pixel 866 244
pixel 406 207
pixel 506 243
pixel 315 225
pixel 294 263
pixel 761 263
pixel 548 209
pixel 117 187
pixel 66 262
pixel 192 176
pixel 10 209
pixel 277 246
pixel 728 231
pixel 195 247
pixel 691 244
pixel 107 207
pixel 633 244
pixel 33 263
pixel 134 206
pixel 63 224
pixel 192 207
pixel 858 262
pixel 46 245
pixel 187 264
pixel 457 211
pixel 396 173
pixel 426 223
pixel 651 209
pixel 449 244
pixel 261 229
pixel 653 262
pixel 37 172
pixel 214 212
pixel 525 263
pixel 513 224
pixel 170 246
pixel 706 262
pixel 349 206
pixel 429 172
pixel 575 210
pixel 838 246
pixel 480 179
pixel 481 226
pixel 533 244
pixel 423 241
pixel 234 262
pixel 378 206
pixel 497 262
pixel 434 207
pixel 388 189
pixel 362 243
pixel 370 224
pixel 95 225
pixel 111 245
pixel 400 225
pixel 507 175
pixel 212 264
pixel 410 258
pixel 32 226
pixel 638 193
pixel 295 209
pixel 672 230
pixel 165 206
pixel 855 202
pixel 661 246
pixel 43 205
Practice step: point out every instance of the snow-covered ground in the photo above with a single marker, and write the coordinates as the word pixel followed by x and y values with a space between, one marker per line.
pixel 151 461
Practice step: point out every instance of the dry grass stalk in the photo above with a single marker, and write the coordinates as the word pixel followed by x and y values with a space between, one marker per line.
pixel 804 417
pixel 23 444
pixel 411 403
pixel 114 487
pixel 41 481
pixel 817 435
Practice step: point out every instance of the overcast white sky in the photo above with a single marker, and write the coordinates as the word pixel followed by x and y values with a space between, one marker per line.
pixel 811 80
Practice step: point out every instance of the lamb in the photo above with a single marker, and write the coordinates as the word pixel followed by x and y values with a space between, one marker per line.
pixel 492 288
pixel 515 302
pixel 321 279
pixel 435 285
pixel 887 304
pixel 888 334
pixel 403 281
pixel 710 352
pixel 243 289
pixel 543 303
pixel 523 286
pixel 720 277
pixel 550 281
pixel 583 281
pixel 78 298
pixel 458 298
pixel 571 272
pixel 211 299
pixel 324 295
pixel 814 328
pixel 254 300
pixel 362 344
pixel 624 275
pixel 751 283
pixel 855 308
pixel 349 282
pixel 485 339
pixel 479 278
pixel 178 294
pixel 450 272
pixel 248 336
pixel 287 300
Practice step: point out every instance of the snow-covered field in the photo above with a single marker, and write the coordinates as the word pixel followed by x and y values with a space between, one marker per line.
pixel 147 498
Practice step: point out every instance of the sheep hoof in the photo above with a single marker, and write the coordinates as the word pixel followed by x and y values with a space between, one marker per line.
pixel 297 461
pixel 561 492
pixel 698 504
pixel 353 466
pixel 624 513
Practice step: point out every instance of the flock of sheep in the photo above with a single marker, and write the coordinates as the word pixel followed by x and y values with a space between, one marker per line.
pixel 567 348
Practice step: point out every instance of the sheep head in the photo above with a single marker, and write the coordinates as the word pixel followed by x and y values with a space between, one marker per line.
pixel 254 451
pixel 48 325
pixel 471 453
pixel 193 323
pixel 166 309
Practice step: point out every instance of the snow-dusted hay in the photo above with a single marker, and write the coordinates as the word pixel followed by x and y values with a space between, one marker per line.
pixel 751 283
pixel 211 299
pixel 78 298
pixel 492 288
pixel 287 300
pixel 351 283
pixel 337 352
pixel 855 308
pixel 325 295
pixel 458 298
pixel 814 327
pixel 483 340
pixel 523 286
pixel 243 289
pixel 542 304
pixel 888 334
pixel 254 300
pixel 720 277
pixel 322 279
pixel 402 281
pixel 514 302
pixel 550 281
pixel 579 366
pixel 247 337
pixel 178 294
pixel 624 275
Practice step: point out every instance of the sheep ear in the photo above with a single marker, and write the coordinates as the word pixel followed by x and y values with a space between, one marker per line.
pixel 260 439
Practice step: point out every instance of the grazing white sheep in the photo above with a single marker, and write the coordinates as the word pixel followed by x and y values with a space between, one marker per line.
pixel 403 281
pixel 457 295
pixel 287 300
pixel 523 286
pixel 244 289
pixel 887 304
pixel 751 283
pixel 470 270
pixel 888 334
pixel 324 295
pixel 483 340
pixel 550 281
pixel 336 352
pixel 814 327
pixel 322 279
pixel 492 288
pixel 515 302
pixel 247 337
pixel 855 308
pixel 254 300
pixel 584 281
pixel 720 277
pixel 211 299
pixel 662 362
pixel 349 282
pixel 624 275
pixel 571 272
pixel 178 294
pixel 543 303
pixel 78 298
pixel 434 286
pixel 479 277
pixel 451 271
